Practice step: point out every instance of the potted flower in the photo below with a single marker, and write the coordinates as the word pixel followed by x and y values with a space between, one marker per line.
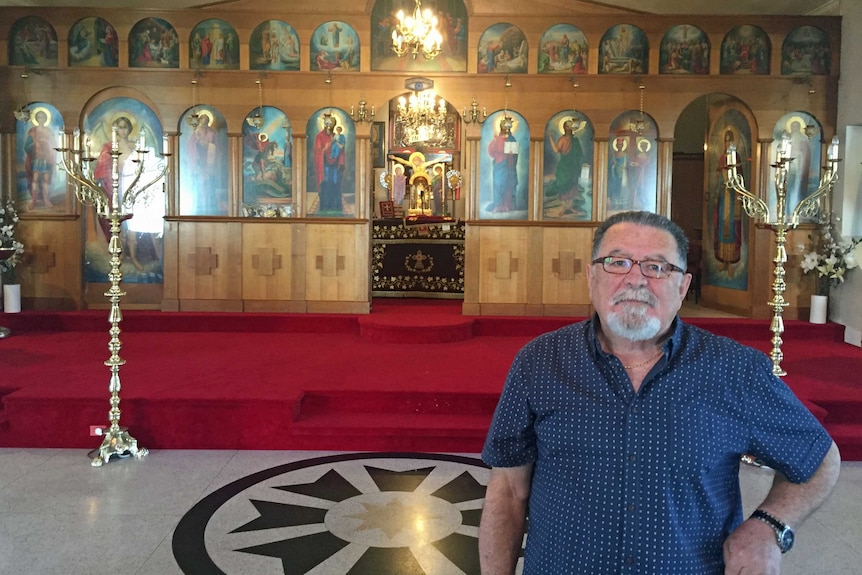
pixel 10 256
pixel 830 259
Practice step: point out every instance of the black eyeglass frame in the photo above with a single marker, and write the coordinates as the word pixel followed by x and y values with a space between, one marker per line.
pixel 645 272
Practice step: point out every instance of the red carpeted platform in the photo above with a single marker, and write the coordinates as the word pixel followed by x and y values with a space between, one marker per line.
pixel 414 375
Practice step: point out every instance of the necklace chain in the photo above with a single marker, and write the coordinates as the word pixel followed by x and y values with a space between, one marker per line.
pixel 643 363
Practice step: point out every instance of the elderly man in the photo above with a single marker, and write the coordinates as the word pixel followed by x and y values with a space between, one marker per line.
pixel 620 437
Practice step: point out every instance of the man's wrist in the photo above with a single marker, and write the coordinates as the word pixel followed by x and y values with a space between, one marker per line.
pixel 784 535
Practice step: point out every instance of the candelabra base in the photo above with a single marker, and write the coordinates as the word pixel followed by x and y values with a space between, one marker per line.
pixel 118 443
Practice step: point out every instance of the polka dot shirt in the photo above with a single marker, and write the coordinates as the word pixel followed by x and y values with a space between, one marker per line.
pixel 645 482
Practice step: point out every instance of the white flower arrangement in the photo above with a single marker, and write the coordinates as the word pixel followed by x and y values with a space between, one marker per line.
pixel 831 259
pixel 8 224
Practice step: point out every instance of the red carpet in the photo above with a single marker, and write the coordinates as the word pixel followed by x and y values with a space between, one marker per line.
pixel 414 375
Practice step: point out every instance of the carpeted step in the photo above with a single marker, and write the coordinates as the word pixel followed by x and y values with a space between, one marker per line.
pixel 401 420
pixel 390 403
pixel 416 329
pixel 848 438
pixel 382 431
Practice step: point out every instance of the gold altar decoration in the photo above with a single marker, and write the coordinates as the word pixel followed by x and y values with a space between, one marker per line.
pixel 116 207
pixel 417 34
pixel 780 221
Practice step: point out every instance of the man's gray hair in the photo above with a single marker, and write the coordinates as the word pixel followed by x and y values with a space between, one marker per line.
pixel 643 219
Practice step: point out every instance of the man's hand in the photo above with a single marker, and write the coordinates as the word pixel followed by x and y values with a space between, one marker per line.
pixel 752 550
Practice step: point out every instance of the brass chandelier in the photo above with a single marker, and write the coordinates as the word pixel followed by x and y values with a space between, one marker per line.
pixel 417 33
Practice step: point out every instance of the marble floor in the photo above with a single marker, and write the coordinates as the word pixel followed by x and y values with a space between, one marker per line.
pixel 290 512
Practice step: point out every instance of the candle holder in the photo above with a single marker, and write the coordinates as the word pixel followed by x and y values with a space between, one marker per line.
pixel 116 207
pixel 362 114
pixel 780 221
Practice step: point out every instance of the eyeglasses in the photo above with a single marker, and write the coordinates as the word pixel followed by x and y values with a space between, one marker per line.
pixel 649 268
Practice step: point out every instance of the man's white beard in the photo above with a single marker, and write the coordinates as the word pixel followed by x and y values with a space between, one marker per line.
pixel 633 324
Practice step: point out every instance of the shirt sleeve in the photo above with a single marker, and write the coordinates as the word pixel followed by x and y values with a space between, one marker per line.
pixel 511 440
pixel 784 434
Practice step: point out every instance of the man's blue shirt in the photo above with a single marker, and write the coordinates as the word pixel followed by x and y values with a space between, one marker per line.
pixel 644 482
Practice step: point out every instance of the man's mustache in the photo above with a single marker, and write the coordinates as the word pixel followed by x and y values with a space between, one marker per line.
pixel 640 295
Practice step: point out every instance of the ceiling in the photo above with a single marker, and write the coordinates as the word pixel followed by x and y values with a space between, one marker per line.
pixel 771 7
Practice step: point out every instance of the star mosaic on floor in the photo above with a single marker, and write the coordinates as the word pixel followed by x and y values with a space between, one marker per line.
pixel 351 514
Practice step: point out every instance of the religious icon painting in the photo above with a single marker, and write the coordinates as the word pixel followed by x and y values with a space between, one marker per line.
pixel 502 50
pixel 803 134
pixel 93 41
pixel 274 45
pixel 452 23
pixel 32 42
pixel 137 128
pixel 153 43
pixel 624 49
pixel 378 144
pixel 203 161
pixel 267 160
pixel 335 46
pixel 567 182
pixel 745 50
pixel 563 49
pixel 331 153
pixel 504 167
pixel 725 239
pixel 214 45
pixel 684 49
pixel 805 51
pixel 632 164
pixel 40 182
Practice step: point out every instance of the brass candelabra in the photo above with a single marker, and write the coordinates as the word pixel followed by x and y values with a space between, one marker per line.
pixel 116 207
pixel 780 221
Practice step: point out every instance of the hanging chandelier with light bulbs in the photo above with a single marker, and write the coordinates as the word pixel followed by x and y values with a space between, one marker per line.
pixel 421 119
pixel 417 34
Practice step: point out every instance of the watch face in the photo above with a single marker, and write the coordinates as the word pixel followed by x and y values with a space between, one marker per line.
pixel 785 540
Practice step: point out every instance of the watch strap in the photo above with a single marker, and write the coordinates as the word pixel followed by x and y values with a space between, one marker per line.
pixel 783 532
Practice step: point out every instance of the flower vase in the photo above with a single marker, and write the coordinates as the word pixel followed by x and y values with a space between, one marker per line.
pixel 818 308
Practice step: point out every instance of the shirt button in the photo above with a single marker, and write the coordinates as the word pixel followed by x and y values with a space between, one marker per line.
pixel 630 560
pixel 630 507
pixel 636 409
pixel 633 457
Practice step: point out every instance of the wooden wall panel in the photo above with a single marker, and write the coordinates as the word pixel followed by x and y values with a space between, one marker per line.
pixel 51 272
pixel 270 268
pixel 338 262
pixel 566 255
pixel 503 264
pixel 209 261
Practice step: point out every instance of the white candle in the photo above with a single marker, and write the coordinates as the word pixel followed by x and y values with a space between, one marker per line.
pixel 784 148
pixel 77 140
pixel 731 155
pixel 833 149
pixel 114 137
pixel 164 145
pixel 142 141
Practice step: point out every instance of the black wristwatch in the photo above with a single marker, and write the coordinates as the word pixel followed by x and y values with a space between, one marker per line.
pixel 783 532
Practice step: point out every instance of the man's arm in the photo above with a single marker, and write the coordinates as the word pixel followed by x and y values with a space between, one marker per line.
pixel 752 548
pixel 504 517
